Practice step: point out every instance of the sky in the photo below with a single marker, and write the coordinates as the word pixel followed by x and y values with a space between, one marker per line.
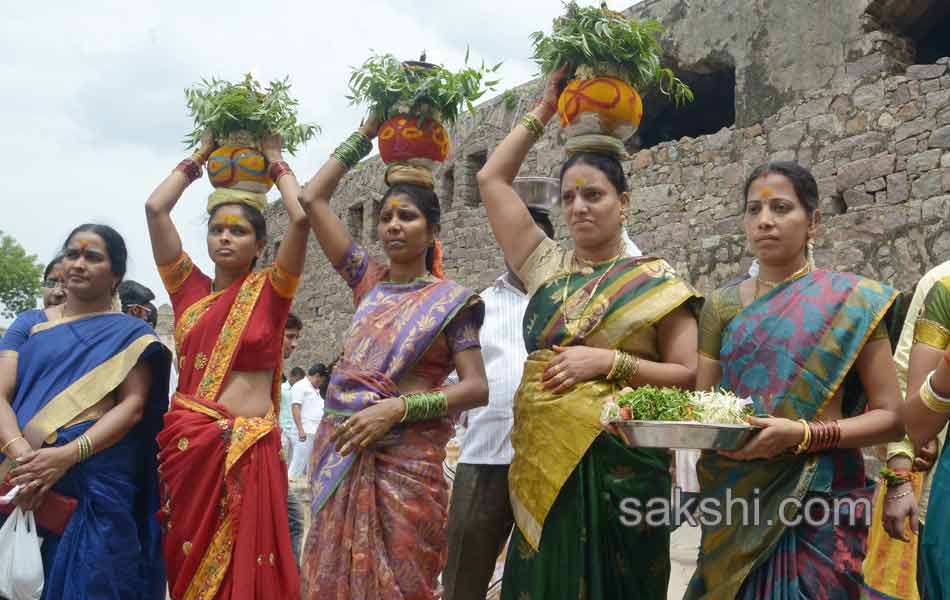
pixel 94 109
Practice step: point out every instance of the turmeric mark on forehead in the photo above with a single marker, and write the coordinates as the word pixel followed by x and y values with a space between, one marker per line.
pixel 766 192
pixel 232 220
pixel 580 182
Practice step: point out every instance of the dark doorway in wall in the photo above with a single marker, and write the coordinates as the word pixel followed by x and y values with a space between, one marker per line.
pixel 474 163
pixel 935 43
pixel 448 187
pixel 356 222
pixel 713 108
pixel 926 23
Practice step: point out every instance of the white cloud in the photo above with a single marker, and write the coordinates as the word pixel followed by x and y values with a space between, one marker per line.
pixel 94 110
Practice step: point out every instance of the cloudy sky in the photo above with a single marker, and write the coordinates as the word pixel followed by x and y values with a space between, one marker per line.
pixel 94 111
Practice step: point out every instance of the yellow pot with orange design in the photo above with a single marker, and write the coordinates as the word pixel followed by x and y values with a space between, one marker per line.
pixel 238 164
pixel 599 111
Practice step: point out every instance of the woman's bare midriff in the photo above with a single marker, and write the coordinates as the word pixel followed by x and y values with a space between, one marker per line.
pixel 247 393
pixel 411 384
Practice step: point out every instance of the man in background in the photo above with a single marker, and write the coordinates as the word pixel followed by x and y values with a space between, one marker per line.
pixel 480 517
pixel 295 516
pixel 307 406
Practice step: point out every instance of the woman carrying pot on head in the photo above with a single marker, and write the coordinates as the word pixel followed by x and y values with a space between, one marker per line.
pixel 224 483
pixel 926 413
pixel 82 392
pixel 380 500
pixel 811 349
pixel 598 320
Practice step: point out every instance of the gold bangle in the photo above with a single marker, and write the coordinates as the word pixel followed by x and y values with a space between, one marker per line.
pixel 635 366
pixel 930 398
pixel 806 438
pixel 612 374
pixel 533 124
pixel 10 443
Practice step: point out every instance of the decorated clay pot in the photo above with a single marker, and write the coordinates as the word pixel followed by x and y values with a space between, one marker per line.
pixel 403 139
pixel 237 164
pixel 601 106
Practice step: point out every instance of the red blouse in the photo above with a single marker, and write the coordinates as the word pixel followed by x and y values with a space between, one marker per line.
pixel 200 317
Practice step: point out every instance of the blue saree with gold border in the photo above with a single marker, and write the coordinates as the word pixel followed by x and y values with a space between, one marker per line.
pixel 111 547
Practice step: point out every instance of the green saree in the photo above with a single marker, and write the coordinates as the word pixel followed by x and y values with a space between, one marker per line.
pixel 568 477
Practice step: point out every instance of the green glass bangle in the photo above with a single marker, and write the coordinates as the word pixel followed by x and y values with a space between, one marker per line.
pixel 422 406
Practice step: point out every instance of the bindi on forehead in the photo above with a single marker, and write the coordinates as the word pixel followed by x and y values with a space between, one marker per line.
pixel 232 220
pixel 766 192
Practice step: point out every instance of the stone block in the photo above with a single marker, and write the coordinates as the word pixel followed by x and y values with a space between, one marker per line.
pixel 643 159
pixel 909 111
pixel 914 128
pixel 812 108
pixel 872 64
pixel 906 147
pixel 898 190
pixel 864 170
pixel 886 121
pixel 875 185
pixel 925 71
pixel 940 138
pixel 927 185
pixel 855 199
pixel 787 137
pixel 945 180
pixel 945 160
pixel 925 161
pixel 936 208
pixel 869 96
pixel 930 87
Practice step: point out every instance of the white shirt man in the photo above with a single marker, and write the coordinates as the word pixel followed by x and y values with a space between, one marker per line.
pixel 307 406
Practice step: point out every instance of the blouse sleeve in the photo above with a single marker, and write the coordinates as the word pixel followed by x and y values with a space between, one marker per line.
pixel 284 283
pixel 19 332
pixel 462 332
pixel 359 270
pixel 710 328
pixel 933 326
pixel 546 260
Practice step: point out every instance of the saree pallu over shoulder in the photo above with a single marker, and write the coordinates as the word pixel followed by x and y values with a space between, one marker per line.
pixel 68 366
pixel 65 368
pixel 551 433
pixel 392 329
pixel 789 351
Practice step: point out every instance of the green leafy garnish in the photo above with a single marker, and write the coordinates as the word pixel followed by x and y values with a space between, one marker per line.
pixel 390 87
pixel 649 403
pixel 224 108
pixel 596 41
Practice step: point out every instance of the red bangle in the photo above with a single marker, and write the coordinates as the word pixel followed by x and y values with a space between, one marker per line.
pixel 277 169
pixel 190 168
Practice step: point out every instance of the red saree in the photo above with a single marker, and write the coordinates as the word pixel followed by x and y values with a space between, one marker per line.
pixel 223 480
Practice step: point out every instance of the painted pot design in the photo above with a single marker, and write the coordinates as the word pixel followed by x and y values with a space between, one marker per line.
pixel 240 168
pixel 403 138
pixel 600 105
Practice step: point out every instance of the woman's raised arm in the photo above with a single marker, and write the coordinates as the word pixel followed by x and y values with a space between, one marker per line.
pixel 510 221
pixel 166 243
pixel 332 235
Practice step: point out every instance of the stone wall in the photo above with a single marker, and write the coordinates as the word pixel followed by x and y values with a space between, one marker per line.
pixel 875 131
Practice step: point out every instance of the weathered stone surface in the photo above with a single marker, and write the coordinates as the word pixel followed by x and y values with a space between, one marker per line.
pixel 860 171
pixel 925 161
pixel 940 138
pixel 786 137
pixel 926 71
pixel 855 199
pixel 898 190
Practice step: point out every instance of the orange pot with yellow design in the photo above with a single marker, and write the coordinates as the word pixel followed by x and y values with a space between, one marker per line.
pixel 600 107
pixel 238 164
pixel 404 139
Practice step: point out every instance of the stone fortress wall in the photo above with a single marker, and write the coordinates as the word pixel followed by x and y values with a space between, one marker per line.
pixel 853 89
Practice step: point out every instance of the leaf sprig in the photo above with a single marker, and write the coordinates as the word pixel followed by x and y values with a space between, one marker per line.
pixel 224 108
pixel 389 87
pixel 607 43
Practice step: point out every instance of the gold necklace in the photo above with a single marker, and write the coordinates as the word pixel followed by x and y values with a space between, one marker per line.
pixel 774 284
pixel 568 320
